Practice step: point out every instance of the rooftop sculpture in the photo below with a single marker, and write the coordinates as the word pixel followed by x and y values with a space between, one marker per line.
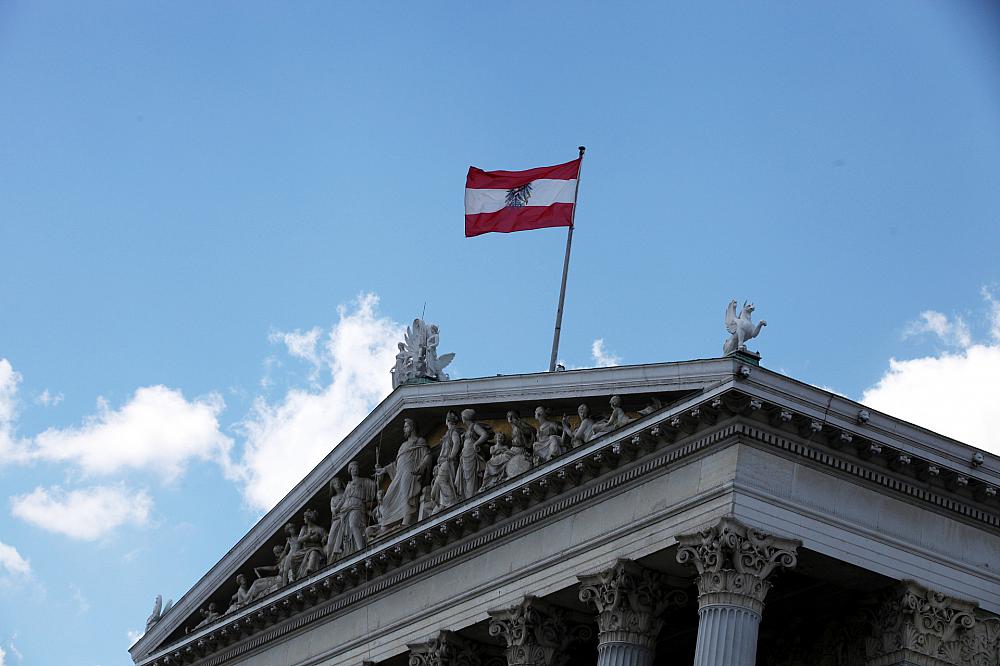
pixel 740 327
pixel 418 358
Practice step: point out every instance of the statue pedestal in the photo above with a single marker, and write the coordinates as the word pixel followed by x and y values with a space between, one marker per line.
pixel 746 356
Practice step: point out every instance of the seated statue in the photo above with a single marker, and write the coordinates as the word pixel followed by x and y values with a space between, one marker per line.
pixel 291 556
pixel 242 595
pixel 208 616
pixel 496 466
pixel 550 437
pixel 265 585
pixel 584 431
pixel 617 419
pixel 312 541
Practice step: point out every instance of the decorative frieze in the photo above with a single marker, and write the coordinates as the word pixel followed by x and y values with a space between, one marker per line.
pixel 630 601
pixel 734 561
pixel 913 624
pixel 535 633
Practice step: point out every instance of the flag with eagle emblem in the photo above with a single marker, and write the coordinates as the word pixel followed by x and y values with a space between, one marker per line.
pixel 506 201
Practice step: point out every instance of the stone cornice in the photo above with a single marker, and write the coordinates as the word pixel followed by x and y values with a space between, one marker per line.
pixel 672 434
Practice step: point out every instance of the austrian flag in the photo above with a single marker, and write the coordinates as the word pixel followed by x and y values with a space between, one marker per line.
pixel 506 201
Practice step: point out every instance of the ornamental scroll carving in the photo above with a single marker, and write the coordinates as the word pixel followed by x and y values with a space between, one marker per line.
pixel 445 649
pixel 980 646
pixel 535 633
pixel 913 620
pixel 734 561
pixel 630 600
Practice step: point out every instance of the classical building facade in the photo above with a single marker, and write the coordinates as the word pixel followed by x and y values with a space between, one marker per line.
pixel 708 512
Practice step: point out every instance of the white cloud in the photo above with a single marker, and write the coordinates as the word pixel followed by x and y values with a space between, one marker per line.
pixel 951 332
pixel 82 605
pixel 994 313
pixel 303 346
pixel 85 514
pixel 132 634
pixel 287 438
pixel 3 657
pixel 157 430
pixel 11 450
pixel 954 392
pixel 13 563
pixel 602 357
pixel 48 399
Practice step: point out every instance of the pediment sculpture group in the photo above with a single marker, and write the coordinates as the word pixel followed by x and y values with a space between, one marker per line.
pixel 421 482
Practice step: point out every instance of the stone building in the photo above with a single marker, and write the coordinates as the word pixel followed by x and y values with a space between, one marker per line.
pixel 711 512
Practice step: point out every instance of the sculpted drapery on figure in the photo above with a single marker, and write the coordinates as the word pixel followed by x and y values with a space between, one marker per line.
pixel 312 540
pixel 407 473
pixel 443 493
pixel 550 436
pixel 335 537
pixel 418 357
pixel 359 493
pixel 242 595
pixel 617 418
pixel 291 556
pixel 584 431
pixel 471 463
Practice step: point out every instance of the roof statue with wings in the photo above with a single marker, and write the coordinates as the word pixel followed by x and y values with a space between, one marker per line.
pixel 741 329
pixel 418 358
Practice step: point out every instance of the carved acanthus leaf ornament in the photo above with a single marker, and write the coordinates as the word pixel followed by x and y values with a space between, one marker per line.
pixel 445 649
pixel 536 634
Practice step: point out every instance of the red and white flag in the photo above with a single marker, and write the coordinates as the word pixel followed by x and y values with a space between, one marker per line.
pixel 506 201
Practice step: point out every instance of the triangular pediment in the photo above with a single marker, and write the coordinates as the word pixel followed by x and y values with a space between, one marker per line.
pixel 664 404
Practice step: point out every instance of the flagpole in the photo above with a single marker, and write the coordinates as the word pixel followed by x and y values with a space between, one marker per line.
pixel 569 245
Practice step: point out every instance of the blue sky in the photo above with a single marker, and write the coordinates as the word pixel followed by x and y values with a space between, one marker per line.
pixel 198 201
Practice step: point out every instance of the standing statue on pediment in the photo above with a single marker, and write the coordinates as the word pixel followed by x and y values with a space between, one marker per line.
pixel 335 537
pixel 522 433
pixel 617 419
pixel 291 555
pixel 359 493
pixel 471 464
pixel 584 431
pixel 406 474
pixel 312 541
pixel 550 437
pixel 442 491
pixel 418 355
pixel 241 597
pixel 741 328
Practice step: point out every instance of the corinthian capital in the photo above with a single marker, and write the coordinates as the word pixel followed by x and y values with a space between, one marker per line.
pixel 445 649
pixel 536 633
pixel 734 562
pixel 913 621
pixel 630 600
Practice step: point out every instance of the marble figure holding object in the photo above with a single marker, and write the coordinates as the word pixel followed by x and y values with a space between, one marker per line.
pixel 471 464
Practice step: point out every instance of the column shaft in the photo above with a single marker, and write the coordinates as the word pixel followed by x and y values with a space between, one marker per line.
pixel 623 654
pixel 727 636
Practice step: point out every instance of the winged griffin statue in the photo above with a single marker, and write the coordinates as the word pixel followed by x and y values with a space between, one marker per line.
pixel 159 610
pixel 418 357
pixel 740 328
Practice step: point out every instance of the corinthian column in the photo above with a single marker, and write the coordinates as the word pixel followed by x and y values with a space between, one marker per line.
pixel 915 625
pixel 629 599
pixel 445 649
pixel 733 563
pixel 536 633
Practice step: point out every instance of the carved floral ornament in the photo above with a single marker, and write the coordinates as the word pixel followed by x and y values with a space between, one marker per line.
pixel 535 633
pixel 690 422
pixel 445 649
pixel 734 561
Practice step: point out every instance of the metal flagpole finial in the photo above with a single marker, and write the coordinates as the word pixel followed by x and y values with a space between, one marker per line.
pixel 583 149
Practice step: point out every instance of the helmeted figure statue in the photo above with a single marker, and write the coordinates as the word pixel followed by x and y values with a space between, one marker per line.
pixel 418 356
pixel 741 328
pixel 401 502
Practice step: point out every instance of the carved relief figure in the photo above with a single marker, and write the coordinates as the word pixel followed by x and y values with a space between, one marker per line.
pixel 427 506
pixel 208 616
pixel 584 431
pixel 242 595
pixel 740 328
pixel 471 463
pixel 291 556
pixel 335 537
pixel 312 541
pixel 617 418
pixel 406 474
pixel 550 436
pixel 522 434
pixel 418 357
pixel 264 585
pixel 358 495
pixel 496 466
pixel 443 492
pixel 403 362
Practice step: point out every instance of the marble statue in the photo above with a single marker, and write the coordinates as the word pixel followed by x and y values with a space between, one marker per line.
pixel 522 434
pixel 471 463
pixel 208 616
pixel 617 418
pixel 550 437
pixel 335 537
pixel 505 462
pixel 291 555
pixel 427 506
pixel 312 542
pixel 740 328
pixel 442 491
pixel 654 405
pixel 359 493
pixel 584 431
pixel 159 610
pixel 265 585
pixel 418 356
pixel 406 474
pixel 242 595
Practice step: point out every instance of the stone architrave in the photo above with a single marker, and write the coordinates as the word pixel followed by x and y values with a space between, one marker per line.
pixel 630 600
pixel 733 562
pixel 445 649
pixel 915 625
pixel 535 633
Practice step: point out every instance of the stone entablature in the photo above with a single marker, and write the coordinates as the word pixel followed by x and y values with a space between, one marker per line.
pixel 675 430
